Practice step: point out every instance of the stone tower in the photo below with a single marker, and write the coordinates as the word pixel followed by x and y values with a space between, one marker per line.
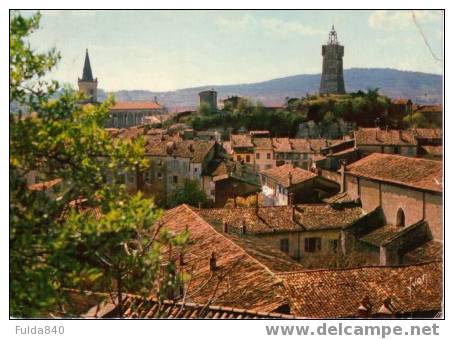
pixel 333 71
pixel 87 85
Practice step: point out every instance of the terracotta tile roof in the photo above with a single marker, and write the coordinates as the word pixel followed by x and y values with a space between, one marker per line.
pixel 136 105
pixel 376 136
pixel 273 219
pixel 400 101
pixel 382 235
pixel 428 252
pixel 241 140
pixel 433 150
pixel 45 185
pixel 281 145
pixel 338 293
pixel 411 172
pixel 428 108
pixel 239 281
pixel 282 175
pixel 275 260
pixel 323 216
pixel 262 143
pixel 428 133
pixel 150 308
pixel 195 149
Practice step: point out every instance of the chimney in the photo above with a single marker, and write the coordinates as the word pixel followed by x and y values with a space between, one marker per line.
pixel 290 178
pixel 386 310
pixel 342 173
pixel 191 148
pixel 225 227
pixel 365 308
pixel 243 227
pixel 181 259
pixel 213 266
pixel 400 135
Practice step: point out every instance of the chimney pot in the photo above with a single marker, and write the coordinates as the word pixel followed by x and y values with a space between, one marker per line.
pixel 225 227
pixel 243 227
pixel 290 178
pixel 181 258
pixel 213 265
pixel 365 308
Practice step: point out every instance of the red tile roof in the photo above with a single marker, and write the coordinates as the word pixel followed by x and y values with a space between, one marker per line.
pixel 239 281
pixel 282 175
pixel 400 101
pixel 150 308
pixel 428 133
pixel 411 172
pixel 274 219
pixel 428 108
pixel 45 185
pixel 377 136
pixel 241 140
pixel 136 105
pixel 197 150
pixel 338 293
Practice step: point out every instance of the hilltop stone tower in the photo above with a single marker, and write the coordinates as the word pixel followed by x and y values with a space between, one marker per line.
pixel 333 71
pixel 87 84
pixel 210 98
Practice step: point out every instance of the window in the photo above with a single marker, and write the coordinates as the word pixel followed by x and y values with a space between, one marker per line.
pixel 257 155
pixel 248 158
pixel 238 158
pixel 396 150
pixel 195 169
pixel 312 244
pixel 268 156
pixel 400 218
pixel 333 245
pixel 305 156
pixel 175 179
pixel 159 176
pixel 285 245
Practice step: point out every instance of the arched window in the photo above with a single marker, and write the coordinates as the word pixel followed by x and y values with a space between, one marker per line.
pixel 400 218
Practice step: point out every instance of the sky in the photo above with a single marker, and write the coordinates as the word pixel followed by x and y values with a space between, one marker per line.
pixel 167 50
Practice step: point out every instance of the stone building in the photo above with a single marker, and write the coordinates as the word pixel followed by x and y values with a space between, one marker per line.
pixel 210 99
pixel 332 81
pixel 408 190
pixel 88 85
pixel 125 114
pixel 288 184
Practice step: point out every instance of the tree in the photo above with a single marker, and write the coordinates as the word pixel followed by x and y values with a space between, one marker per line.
pixel 54 243
pixel 189 192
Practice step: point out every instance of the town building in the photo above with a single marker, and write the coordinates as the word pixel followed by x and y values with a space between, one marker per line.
pixel 287 184
pixel 433 114
pixel 88 85
pixel 126 114
pixel 332 80
pixel 408 190
pixel 414 291
pixel 209 98
pixel 376 140
pixel 398 109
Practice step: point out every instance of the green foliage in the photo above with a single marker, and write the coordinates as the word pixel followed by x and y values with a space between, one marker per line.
pixel 54 242
pixel 416 120
pixel 204 109
pixel 189 192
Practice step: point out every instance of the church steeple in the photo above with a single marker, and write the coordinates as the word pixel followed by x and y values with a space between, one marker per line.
pixel 87 75
pixel 88 85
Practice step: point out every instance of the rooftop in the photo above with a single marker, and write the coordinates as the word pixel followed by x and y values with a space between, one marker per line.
pixel 136 105
pixel 150 308
pixel 288 175
pixel 411 172
pixel 377 136
pixel 45 185
pixel 338 293
pixel 195 149
pixel 272 219
pixel 239 280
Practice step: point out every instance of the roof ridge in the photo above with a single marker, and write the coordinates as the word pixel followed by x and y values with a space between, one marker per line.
pixel 359 268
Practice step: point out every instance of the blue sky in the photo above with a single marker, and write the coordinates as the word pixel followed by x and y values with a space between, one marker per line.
pixel 167 50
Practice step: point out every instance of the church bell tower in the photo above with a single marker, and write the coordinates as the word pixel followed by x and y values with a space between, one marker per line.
pixel 332 81
pixel 87 85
